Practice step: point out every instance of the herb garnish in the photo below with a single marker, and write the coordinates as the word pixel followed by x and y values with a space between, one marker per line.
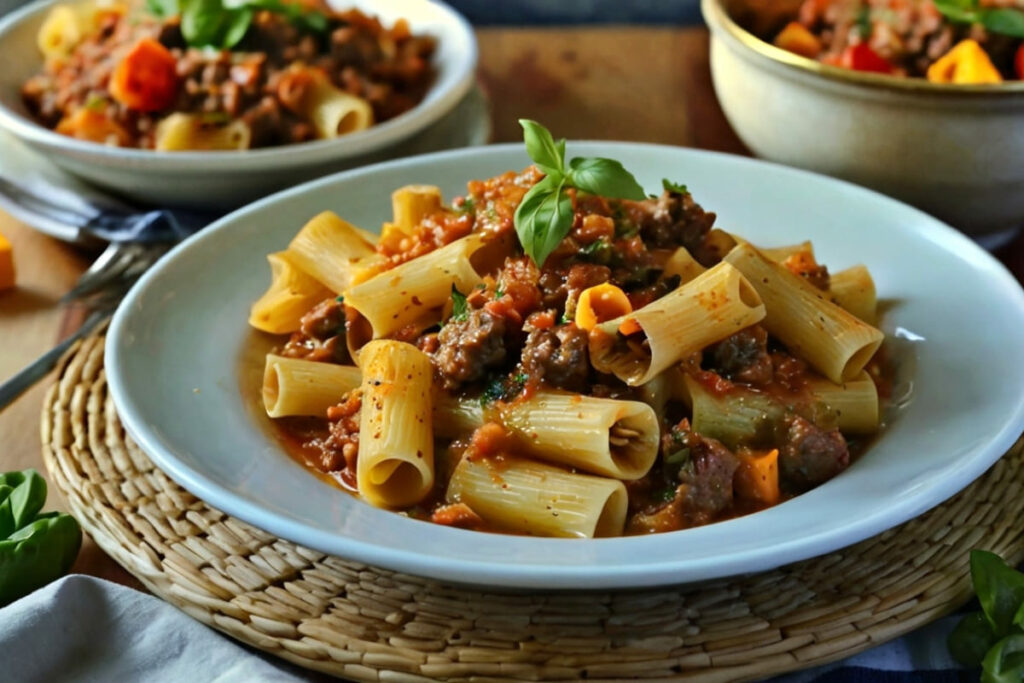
pixel 1003 20
pixel 545 216
pixel 670 186
pixel 222 24
pixel 994 637
pixel 460 307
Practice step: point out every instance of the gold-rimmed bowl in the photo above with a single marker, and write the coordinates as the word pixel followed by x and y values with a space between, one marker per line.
pixel 955 151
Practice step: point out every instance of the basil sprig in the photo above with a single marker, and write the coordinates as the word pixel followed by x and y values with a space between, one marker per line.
pixel 545 216
pixel 35 548
pixel 1002 20
pixel 221 24
pixel 994 637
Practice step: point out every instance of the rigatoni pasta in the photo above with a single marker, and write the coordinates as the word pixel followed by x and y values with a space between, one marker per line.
pixel 652 373
pixel 396 443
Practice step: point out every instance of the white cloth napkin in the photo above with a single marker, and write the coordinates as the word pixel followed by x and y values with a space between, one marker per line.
pixel 85 629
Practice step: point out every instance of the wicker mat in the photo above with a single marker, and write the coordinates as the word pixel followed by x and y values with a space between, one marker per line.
pixel 364 623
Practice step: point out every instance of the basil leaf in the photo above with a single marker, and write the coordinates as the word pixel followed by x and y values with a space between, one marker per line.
pixel 22 495
pixel 670 186
pixel 971 639
pixel 304 18
pixel 162 8
pixel 1009 22
pixel 460 307
pixel 1000 590
pixel 37 554
pixel 543 219
pixel 542 148
pixel 201 22
pixel 604 177
pixel 1018 619
pixel 234 28
pixel 1004 663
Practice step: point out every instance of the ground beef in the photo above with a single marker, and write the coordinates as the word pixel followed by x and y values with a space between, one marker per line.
pixel 466 349
pixel 678 221
pixel 709 479
pixel 323 321
pixel 743 357
pixel 811 456
pixel 561 288
pixel 558 356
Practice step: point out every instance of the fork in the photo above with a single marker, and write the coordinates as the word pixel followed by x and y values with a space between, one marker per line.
pixel 99 289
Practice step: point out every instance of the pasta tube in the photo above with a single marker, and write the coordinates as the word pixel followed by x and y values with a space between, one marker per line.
pixel 412 203
pixel 179 132
pixel 855 402
pixel 333 251
pixel 834 342
pixel 292 386
pixel 290 296
pixel 703 311
pixel 395 465
pixel 414 292
pixel 613 438
pixel 681 263
pixel 523 496
pixel 854 290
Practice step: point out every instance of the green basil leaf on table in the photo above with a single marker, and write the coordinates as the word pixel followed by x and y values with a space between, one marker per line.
pixel 971 639
pixel 542 148
pixel 669 186
pixel 22 495
pixel 543 219
pixel 1004 663
pixel 604 177
pixel 37 548
pixel 1000 590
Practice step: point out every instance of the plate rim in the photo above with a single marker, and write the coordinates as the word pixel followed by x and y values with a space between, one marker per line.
pixel 539 576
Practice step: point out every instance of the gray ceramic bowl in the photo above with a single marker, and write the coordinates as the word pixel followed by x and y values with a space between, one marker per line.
pixel 220 179
pixel 954 151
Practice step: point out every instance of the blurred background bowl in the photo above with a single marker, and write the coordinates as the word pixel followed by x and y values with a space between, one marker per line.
pixel 954 151
pixel 227 179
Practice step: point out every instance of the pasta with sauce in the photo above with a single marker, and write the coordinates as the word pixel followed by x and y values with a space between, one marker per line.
pixel 654 373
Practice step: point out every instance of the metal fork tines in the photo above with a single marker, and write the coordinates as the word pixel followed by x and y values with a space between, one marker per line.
pixel 116 268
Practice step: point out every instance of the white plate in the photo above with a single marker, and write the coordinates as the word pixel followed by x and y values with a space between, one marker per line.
pixel 213 179
pixel 183 369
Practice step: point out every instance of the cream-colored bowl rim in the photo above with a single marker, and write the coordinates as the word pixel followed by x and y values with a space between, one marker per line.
pixel 718 17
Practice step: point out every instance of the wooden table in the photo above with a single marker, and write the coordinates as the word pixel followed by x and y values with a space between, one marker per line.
pixel 641 84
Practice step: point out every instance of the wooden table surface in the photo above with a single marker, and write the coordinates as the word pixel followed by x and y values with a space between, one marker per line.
pixel 644 84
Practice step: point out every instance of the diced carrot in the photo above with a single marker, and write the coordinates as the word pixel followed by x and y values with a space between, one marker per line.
pixel 757 477
pixel 796 38
pixel 601 303
pixel 800 262
pixel 861 57
pixel 966 64
pixel 458 515
pixel 6 264
pixel 146 78
pixel 95 126
pixel 1018 62
pixel 630 326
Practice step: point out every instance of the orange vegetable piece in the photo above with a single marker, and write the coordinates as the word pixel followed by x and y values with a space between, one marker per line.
pixel 146 79
pixel 800 262
pixel 629 326
pixel 95 126
pixel 6 264
pixel 796 38
pixel 966 64
pixel 1018 62
pixel 757 477
pixel 600 303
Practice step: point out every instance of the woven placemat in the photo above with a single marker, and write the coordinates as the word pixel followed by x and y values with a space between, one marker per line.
pixel 364 623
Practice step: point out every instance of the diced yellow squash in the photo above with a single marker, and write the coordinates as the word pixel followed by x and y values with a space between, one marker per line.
pixel 966 64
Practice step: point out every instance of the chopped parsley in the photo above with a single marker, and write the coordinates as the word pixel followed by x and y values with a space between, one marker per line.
pixel 340 299
pixel 460 307
pixel 503 388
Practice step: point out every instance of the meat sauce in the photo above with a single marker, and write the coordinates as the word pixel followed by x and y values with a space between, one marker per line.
pixel 518 336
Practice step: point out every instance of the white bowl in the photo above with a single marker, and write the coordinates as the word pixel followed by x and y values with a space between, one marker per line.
pixel 224 179
pixel 185 371
pixel 954 151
